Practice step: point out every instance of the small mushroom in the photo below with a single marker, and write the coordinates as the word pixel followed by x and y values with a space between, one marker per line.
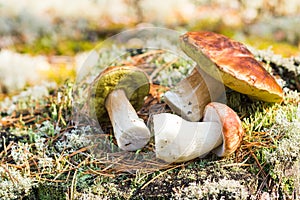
pixel 119 90
pixel 178 140
pixel 231 127
pixel 189 97
pixel 218 56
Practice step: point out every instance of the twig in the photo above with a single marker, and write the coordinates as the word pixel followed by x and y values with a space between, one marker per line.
pixel 83 149
pixel 262 185
pixel 157 70
pixel 99 173
pixel 10 176
pixel 51 180
pixel 147 54
pixel 6 148
pixel 237 164
pixel 73 185
pixel 258 164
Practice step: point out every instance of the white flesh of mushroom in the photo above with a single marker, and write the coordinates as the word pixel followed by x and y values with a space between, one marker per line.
pixel 232 127
pixel 211 115
pixel 130 131
pixel 178 140
pixel 190 96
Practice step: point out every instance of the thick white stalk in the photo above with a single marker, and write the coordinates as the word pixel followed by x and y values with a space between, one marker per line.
pixel 130 131
pixel 190 96
pixel 178 140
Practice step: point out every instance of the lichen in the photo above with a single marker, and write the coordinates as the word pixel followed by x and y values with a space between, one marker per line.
pixel 220 189
pixel 14 183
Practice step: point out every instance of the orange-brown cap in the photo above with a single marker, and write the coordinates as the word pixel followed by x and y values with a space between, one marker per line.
pixel 239 70
pixel 232 127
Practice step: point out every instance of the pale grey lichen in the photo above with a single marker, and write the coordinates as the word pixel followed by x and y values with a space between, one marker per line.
pixel 222 189
pixel 14 184
pixel 27 99
pixel 169 76
pixel 45 163
pixel 105 190
pixel 20 153
pixel 47 128
pixel 285 158
pixel 74 140
pixel 269 56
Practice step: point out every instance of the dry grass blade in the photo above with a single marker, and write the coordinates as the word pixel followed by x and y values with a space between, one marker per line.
pixel 162 67
pixel 258 164
pixel 99 172
pixel 144 58
pixel 160 174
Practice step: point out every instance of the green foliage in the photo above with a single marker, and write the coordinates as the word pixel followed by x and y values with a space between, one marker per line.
pixel 48 191
pixel 51 45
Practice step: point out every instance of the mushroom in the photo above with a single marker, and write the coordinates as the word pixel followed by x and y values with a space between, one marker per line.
pixel 218 56
pixel 119 90
pixel 189 97
pixel 232 129
pixel 178 140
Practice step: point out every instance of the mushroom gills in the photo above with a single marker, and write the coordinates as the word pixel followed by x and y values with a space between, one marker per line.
pixel 178 140
pixel 130 131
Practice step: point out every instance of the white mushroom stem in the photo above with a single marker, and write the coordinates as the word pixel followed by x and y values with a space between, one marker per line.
pixel 178 140
pixel 190 96
pixel 130 131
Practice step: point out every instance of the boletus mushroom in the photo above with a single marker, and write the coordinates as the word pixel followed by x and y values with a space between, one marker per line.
pixel 178 140
pixel 118 91
pixel 232 129
pixel 219 56
pixel 190 96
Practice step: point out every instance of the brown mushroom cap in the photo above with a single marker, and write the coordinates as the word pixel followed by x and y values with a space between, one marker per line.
pixel 219 56
pixel 232 127
pixel 132 80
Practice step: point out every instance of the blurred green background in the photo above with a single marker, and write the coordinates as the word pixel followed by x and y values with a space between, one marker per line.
pixel 56 32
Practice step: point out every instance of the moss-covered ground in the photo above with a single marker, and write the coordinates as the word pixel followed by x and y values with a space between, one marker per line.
pixel 45 154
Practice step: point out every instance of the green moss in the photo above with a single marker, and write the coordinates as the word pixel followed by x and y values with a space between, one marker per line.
pixel 55 46
pixel 48 191
pixel 274 128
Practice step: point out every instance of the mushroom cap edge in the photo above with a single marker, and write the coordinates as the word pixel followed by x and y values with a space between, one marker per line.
pixel 232 130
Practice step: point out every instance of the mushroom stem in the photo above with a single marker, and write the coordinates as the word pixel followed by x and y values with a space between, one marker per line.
pixel 178 140
pixel 192 94
pixel 130 131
